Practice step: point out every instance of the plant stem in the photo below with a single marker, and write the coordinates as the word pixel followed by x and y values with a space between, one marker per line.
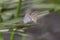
pixel 1 37
pixel 18 9
pixel 1 20
pixel 23 37
pixel 16 16
pixel 12 35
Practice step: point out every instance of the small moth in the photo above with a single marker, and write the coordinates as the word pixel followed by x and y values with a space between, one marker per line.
pixel 33 16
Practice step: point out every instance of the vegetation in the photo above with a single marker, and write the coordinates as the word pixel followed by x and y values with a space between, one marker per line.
pixel 12 13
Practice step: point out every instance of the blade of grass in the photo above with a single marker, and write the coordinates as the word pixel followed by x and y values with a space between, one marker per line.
pixel 18 9
pixel 16 16
pixel 1 20
pixel 23 37
pixel 1 36
pixel 12 35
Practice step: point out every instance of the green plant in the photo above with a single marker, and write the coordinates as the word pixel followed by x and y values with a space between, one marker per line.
pixel 10 17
